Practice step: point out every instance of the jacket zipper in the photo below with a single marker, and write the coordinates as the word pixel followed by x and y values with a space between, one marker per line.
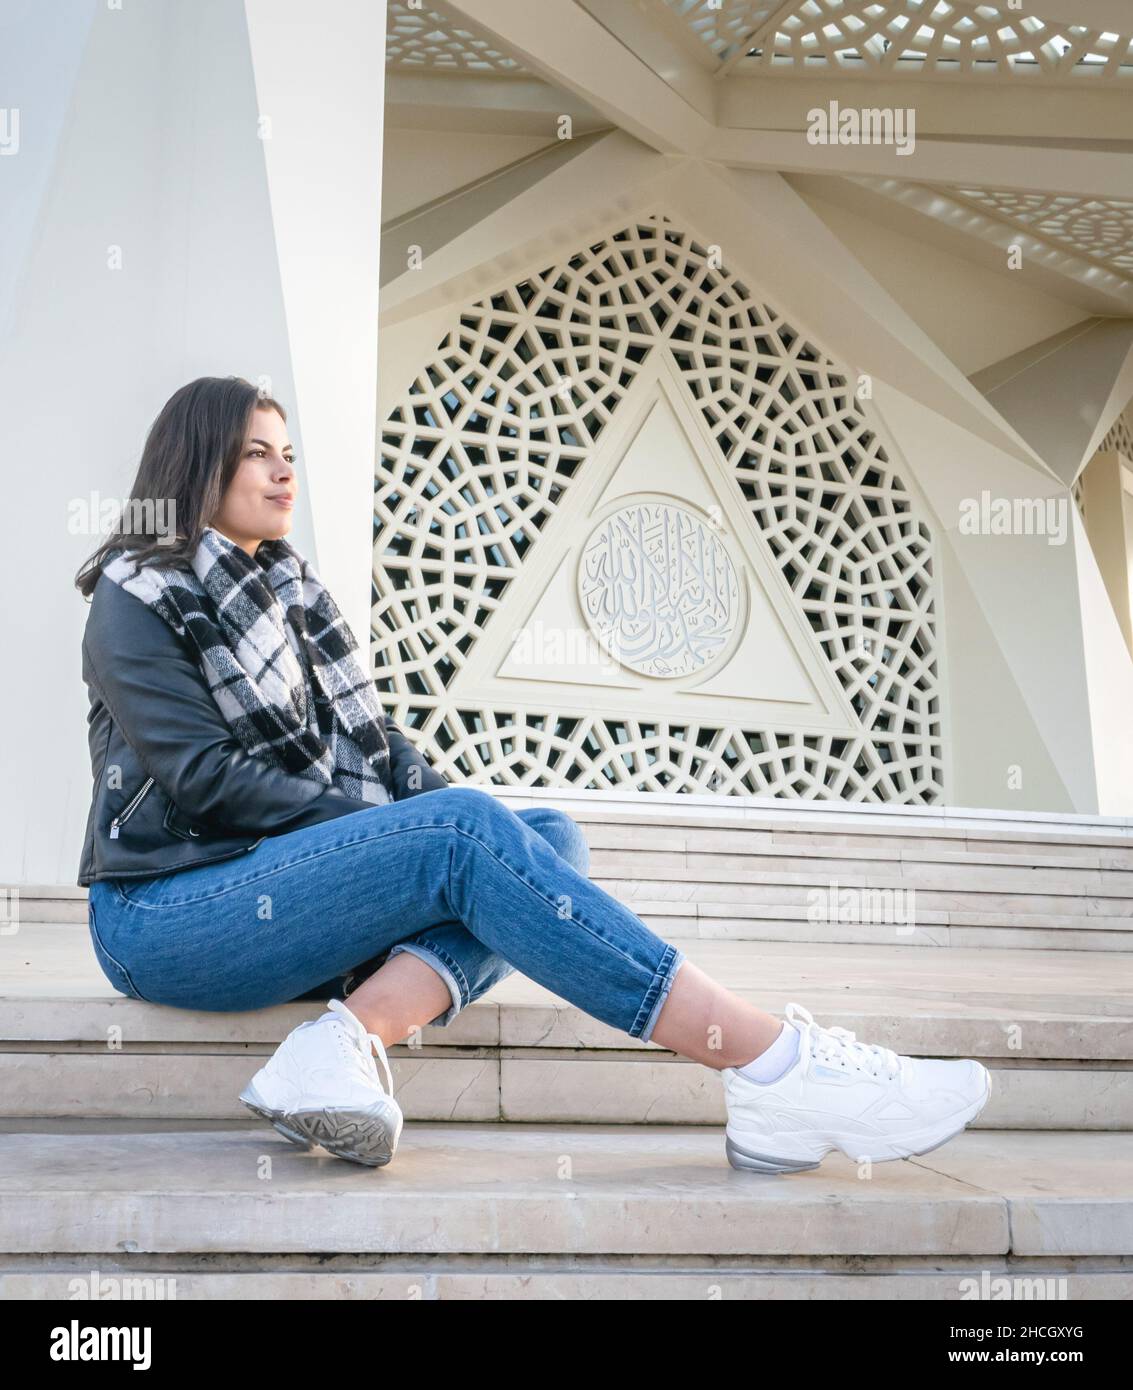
pixel 120 820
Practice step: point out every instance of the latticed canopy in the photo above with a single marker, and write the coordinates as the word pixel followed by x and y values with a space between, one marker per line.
pixel 940 38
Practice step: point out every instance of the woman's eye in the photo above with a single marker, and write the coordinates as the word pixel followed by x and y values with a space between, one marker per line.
pixel 263 453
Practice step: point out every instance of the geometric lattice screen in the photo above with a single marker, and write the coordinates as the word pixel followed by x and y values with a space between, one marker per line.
pixel 726 28
pixel 923 38
pixel 498 428
pixel 1100 228
pixel 425 40
pixel 1119 439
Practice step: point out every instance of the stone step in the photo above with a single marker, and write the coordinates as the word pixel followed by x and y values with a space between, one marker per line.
pixel 502 1210
pixel 1024 880
pixel 1056 1029
pixel 809 846
pixel 602 1277
pixel 514 1084
pixel 865 921
pixel 855 823
pixel 783 875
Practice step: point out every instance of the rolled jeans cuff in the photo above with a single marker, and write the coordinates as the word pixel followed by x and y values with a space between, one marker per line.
pixel 658 991
pixel 448 969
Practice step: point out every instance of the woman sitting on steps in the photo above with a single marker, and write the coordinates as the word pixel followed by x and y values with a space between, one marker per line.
pixel 260 832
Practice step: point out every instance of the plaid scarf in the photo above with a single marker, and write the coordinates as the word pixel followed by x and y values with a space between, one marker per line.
pixel 279 659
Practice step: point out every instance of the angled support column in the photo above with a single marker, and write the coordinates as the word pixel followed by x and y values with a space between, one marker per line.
pixel 769 233
pixel 570 49
pixel 1045 695
pixel 1063 394
pixel 1107 507
pixel 513 212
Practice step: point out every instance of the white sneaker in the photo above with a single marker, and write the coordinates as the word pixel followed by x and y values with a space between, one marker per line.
pixel 321 1086
pixel 843 1094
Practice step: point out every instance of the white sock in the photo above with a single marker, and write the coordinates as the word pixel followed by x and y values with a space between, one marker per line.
pixel 777 1060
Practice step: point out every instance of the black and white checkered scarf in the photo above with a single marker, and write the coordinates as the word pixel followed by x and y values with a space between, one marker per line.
pixel 279 658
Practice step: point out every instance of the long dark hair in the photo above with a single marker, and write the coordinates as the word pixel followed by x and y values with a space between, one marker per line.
pixel 191 453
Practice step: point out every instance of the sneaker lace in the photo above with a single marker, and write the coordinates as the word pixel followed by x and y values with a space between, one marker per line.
pixel 358 1053
pixel 838 1046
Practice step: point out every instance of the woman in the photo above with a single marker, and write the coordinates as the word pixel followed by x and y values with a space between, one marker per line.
pixel 260 832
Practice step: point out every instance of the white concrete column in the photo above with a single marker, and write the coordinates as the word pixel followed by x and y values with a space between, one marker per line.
pixel 319 83
pixel 157 237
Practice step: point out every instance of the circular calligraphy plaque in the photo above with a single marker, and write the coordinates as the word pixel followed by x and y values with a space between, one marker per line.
pixel 659 589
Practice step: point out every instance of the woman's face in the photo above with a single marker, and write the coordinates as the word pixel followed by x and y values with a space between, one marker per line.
pixel 259 500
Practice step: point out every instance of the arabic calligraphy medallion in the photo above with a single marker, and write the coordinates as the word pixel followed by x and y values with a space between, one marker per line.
pixel 659 589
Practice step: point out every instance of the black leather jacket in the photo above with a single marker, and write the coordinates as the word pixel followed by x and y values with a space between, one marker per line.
pixel 173 787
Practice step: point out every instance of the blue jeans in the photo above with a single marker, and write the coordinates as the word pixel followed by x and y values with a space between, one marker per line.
pixel 453 876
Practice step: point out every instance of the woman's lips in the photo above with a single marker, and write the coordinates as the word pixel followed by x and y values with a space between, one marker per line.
pixel 287 502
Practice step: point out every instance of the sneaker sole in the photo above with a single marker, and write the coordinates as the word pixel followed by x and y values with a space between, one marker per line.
pixel 367 1136
pixel 251 1098
pixel 764 1163
pixel 746 1159
pixel 360 1136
